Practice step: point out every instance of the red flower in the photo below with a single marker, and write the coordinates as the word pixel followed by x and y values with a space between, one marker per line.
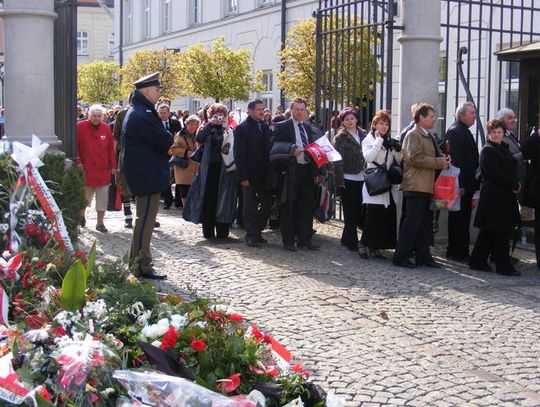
pixel 43 237
pixel 272 370
pixel 80 255
pixel 40 264
pixel 25 278
pixel 216 316
pixel 169 340
pixel 229 384
pixel 27 266
pixel 198 345
pixel 298 369
pixel 259 336
pixel 59 331
pixel 34 321
pixel 31 229
pixel 236 317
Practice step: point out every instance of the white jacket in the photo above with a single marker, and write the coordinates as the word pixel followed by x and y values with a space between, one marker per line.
pixel 374 152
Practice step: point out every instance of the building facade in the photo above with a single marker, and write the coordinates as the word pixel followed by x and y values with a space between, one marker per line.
pixel 95 31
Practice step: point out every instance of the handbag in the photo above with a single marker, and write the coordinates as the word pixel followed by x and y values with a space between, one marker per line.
pixel 376 179
pixel 395 173
pixel 227 151
pixel 197 154
pixel 181 162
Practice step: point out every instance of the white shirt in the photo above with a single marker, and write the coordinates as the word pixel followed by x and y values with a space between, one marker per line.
pixel 360 175
pixel 301 159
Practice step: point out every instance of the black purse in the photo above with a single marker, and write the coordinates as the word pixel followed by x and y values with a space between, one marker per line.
pixel 197 154
pixel 377 180
pixel 395 173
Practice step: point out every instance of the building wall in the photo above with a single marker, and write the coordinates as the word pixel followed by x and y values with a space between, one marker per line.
pixel 99 27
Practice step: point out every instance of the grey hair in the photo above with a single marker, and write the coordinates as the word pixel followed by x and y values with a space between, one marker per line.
pixel 462 108
pixel 501 114
pixel 95 108
pixel 193 118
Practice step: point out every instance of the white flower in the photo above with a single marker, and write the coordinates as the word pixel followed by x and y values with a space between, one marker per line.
pixel 4 227
pixel 96 309
pixel 38 335
pixel 142 319
pixel 108 391
pixel 155 330
pixel 178 321
pixel 35 259
pixel 201 324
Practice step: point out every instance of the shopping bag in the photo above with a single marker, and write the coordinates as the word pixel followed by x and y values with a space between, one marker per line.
pixel 446 193
pixel 114 201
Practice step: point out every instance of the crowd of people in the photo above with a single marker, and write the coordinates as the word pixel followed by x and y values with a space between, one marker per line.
pixel 224 168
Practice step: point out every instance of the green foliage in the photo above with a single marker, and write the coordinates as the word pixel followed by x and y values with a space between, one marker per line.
pixel 54 168
pixel 71 198
pixel 98 82
pixel 8 177
pixel 73 287
pixel 219 73
pixel 146 62
pixel 346 77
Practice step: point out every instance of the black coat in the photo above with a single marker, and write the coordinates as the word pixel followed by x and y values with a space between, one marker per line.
pixel 531 151
pixel 498 207
pixel 463 151
pixel 145 146
pixel 252 151
pixel 174 126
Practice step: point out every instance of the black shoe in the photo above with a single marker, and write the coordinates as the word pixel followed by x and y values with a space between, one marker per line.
pixel 167 206
pixel 157 224
pixel 459 259
pixel 152 275
pixel 128 224
pixel 82 221
pixel 404 263
pixel 480 267
pixel 431 263
pixel 514 260
pixel 308 246
pixel 261 239
pixel 101 228
pixel 376 253
pixel 252 243
pixel 509 272
pixel 290 247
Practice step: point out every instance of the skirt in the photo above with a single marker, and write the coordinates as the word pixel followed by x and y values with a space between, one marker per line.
pixel 380 226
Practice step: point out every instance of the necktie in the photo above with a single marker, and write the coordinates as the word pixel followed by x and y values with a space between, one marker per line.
pixel 166 124
pixel 259 126
pixel 303 135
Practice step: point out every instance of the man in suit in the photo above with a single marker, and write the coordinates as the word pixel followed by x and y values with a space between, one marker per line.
pixel 172 126
pixel 462 147
pixel 421 157
pixel 252 158
pixel 296 214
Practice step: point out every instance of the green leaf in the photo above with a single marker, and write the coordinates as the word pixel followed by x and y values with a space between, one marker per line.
pixel 41 402
pixel 91 259
pixel 15 348
pixel 237 345
pixel 73 287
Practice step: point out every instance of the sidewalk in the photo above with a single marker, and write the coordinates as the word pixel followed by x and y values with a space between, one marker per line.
pixel 377 334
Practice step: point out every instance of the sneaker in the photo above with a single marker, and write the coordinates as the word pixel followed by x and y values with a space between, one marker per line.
pixel 82 221
pixel 101 228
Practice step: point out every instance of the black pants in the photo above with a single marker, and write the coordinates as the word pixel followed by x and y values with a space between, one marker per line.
pixel 458 229
pixel 256 210
pixel 167 196
pixel 351 200
pixel 296 217
pixel 416 229
pixel 537 234
pixel 496 242
pixel 211 228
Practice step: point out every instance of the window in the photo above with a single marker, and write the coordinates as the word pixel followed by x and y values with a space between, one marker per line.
pixel 231 7
pixel 512 70
pixel 195 106
pixel 265 2
pixel 195 12
pixel 128 26
pixel 146 19
pixel 166 13
pixel 82 43
pixel 112 45
pixel 267 91
pixel 512 100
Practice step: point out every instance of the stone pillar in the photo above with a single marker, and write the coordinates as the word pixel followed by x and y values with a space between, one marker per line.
pixel 419 56
pixel 29 70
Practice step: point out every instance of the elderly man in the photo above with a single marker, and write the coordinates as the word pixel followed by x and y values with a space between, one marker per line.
pixel 95 155
pixel 145 158
pixel 462 147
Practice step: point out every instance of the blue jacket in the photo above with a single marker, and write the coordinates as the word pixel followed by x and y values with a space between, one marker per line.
pixel 145 146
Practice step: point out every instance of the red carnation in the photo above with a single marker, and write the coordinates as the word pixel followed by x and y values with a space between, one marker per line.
pixel 80 255
pixel 298 369
pixel 34 321
pixel 229 384
pixel 198 345
pixel 43 237
pixel 31 229
pixel 40 264
pixel 59 331
pixel 216 316
pixel 236 317
pixel 25 278
pixel 256 333
pixel 27 266
pixel 169 340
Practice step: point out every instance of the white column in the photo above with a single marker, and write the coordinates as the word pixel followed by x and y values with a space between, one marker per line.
pixel 419 60
pixel 29 70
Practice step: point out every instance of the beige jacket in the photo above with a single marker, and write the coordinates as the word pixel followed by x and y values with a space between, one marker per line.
pixel 421 158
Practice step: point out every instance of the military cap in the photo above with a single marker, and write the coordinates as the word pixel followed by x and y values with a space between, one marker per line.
pixel 146 81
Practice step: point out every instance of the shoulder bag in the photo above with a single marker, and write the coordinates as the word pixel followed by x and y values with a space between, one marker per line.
pixel 376 179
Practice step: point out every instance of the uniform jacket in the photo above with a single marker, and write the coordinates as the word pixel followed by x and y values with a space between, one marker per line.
pixel 95 151
pixel 421 158
pixel 145 146
pixel 252 151
pixel 375 153
pixel 227 189
pixel 463 151
pixel 352 161
pixel 184 145
pixel 498 207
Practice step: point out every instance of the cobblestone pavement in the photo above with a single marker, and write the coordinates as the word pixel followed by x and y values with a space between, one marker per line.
pixel 377 334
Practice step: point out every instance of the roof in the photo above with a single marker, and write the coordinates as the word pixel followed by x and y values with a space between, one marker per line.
pixel 94 3
pixel 528 51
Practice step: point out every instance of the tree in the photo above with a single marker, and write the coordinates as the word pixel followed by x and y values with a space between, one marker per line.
pixel 98 82
pixel 349 72
pixel 219 73
pixel 146 62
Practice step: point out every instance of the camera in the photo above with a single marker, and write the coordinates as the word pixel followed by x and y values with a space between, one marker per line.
pixel 395 144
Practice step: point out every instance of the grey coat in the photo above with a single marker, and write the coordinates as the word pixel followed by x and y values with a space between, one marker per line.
pixel 351 152
pixel 227 191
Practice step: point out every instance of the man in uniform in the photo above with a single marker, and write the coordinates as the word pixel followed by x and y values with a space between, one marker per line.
pixel 145 146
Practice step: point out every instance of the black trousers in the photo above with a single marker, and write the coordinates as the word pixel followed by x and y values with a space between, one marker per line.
pixel 256 210
pixel 416 230
pixel 537 234
pixel 497 243
pixel 458 229
pixel 167 196
pixel 351 200
pixel 211 228
pixel 296 217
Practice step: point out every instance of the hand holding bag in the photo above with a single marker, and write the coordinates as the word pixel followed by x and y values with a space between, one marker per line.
pixel 376 179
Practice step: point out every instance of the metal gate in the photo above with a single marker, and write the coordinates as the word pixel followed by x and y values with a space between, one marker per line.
pixel 354 57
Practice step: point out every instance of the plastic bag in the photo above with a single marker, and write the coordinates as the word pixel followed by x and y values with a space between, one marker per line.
pixel 446 194
pixel 171 391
